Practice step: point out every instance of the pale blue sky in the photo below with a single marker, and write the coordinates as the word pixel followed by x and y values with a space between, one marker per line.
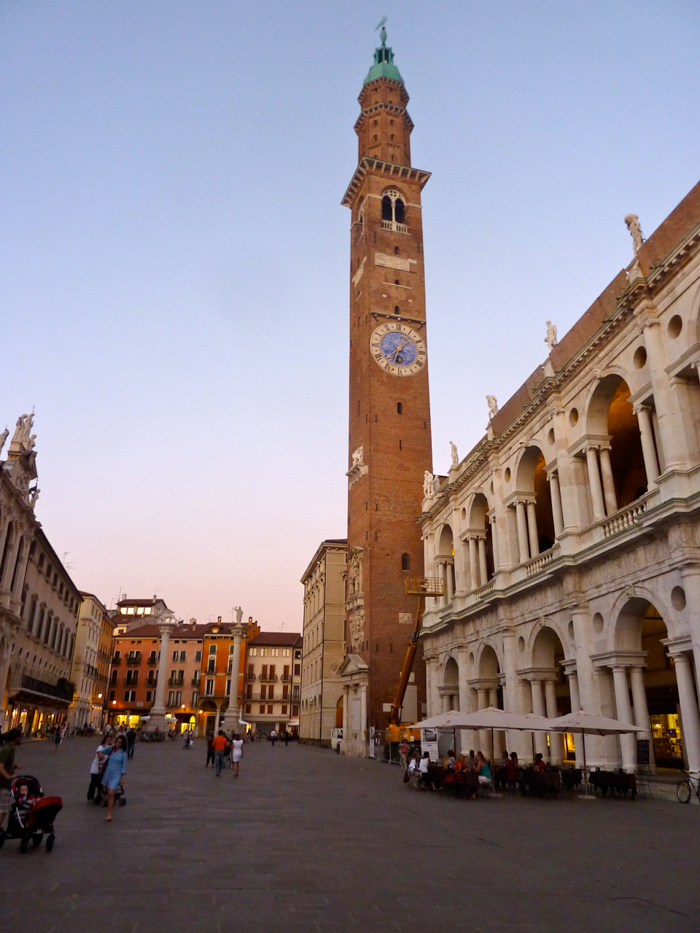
pixel 174 256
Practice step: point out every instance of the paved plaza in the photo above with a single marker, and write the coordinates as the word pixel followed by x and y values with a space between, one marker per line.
pixel 307 841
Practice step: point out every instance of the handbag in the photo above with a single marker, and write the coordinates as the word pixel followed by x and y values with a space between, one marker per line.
pixel 103 766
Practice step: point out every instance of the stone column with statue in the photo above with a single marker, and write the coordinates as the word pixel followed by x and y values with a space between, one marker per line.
pixel 157 723
pixel 238 630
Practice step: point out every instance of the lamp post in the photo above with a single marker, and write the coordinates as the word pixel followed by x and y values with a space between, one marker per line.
pixel 166 622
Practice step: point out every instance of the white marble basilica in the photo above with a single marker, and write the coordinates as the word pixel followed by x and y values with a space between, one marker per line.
pixel 569 537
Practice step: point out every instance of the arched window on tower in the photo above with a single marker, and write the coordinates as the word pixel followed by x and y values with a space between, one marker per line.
pixel 405 561
pixel 393 211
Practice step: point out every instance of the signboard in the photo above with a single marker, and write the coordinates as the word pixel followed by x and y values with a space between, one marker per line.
pixel 429 743
pixel 643 752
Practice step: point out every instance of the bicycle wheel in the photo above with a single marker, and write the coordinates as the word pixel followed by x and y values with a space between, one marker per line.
pixel 683 791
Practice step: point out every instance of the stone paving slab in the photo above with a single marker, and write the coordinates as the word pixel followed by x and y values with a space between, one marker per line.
pixel 305 841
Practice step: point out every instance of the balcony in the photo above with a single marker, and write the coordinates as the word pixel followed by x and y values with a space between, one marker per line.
pixel 270 678
pixel 195 682
pixel 152 662
pixel 394 227
pixel 176 681
pixel 116 661
pixel 286 678
pixel 133 661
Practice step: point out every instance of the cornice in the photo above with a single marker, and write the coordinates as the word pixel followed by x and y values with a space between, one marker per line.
pixel 392 108
pixel 367 165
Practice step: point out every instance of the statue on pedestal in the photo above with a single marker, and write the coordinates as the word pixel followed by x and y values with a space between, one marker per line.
pixel 427 484
pixel 493 406
pixel 632 223
pixel 551 338
pixel 454 455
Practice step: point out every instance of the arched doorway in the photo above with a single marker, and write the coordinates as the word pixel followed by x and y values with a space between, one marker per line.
pixel 479 557
pixel 339 712
pixel 490 693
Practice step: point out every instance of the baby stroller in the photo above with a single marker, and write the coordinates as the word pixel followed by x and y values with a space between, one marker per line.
pixel 31 822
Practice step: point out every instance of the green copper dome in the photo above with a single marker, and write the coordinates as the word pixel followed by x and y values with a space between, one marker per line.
pixel 383 66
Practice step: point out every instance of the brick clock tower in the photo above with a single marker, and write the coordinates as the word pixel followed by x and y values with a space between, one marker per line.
pixel 389 433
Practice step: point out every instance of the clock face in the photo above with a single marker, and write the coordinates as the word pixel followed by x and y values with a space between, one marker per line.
pixel 398 349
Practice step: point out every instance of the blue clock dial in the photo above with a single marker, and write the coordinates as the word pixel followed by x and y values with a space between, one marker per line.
pixel 399 349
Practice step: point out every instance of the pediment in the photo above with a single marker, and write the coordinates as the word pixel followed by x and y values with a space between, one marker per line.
pixel 352 664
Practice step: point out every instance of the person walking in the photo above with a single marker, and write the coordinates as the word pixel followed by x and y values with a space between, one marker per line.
pixel 13 739
pixel 114 773
pixel 130 742
pixel 57 738
pixel 210 749
pixel 236 752
pixel 273 737
pixel 219 747
pixel 285 735
pixel 103 750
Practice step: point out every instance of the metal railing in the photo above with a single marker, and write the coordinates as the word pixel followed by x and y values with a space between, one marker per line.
pixel 393 225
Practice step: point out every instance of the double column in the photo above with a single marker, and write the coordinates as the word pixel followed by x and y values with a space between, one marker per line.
pixel 646 433
pixel 555 492
pixel 528 538
pixel 603 496
pixel 476 545
pixel 445 572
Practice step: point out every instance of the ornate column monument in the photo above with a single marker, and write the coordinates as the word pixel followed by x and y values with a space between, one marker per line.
pixel 238 629
pixel 166 622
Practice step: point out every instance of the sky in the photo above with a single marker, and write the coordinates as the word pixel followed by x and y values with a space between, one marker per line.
pixel 174 258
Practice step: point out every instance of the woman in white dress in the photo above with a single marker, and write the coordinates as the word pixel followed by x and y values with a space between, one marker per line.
pixel 236 752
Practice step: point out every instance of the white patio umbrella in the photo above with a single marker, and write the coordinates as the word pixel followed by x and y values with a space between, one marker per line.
pixel 442 721
pixel 590 724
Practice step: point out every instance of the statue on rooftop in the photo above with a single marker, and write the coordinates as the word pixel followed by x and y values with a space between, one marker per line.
pixel 551 338
pixel 493 406
pixel 3 438
pixel 427 484
pixel 632 222
pixel 455 456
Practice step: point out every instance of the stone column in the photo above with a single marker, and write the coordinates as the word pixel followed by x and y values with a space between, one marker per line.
pixel 690 717
pixel 594 484
pixel 494 541
pixel 556 739
pixel 523 549
pixel 238 630
pixel 573 692
pixel 497 747
pixel 651 463
pixel 641 711
pixel 442 574
pixel 462 655
pixel 165 626
pixel 484 734
pixel 557 513
pixel 363 717
pixel 608 481
pixel 346 714
pixel 449 588
pixel 628 745
pixel 538 708
pixel 473 564
pixel 483 572
pixel 532 530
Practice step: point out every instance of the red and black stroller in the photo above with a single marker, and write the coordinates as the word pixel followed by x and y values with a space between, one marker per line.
pixel 32 815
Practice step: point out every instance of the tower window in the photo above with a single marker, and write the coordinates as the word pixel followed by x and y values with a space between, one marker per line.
pixel 405 562
pixel 374 138
pixel 391 123
pixel 393 208
pixel 396 282
pixel 396 251
pixel 376 122
pixel 399 408
pixel 396 309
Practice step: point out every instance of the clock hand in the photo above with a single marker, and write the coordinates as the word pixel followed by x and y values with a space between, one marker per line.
pixel 399 348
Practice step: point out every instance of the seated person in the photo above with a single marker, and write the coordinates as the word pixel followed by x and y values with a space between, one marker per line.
pixel 483 770
pixel 461 763
pixel 512 768
pixel 423 765
pixel 450 761
pixel 471 760
pixel 540 763
pixel 25 800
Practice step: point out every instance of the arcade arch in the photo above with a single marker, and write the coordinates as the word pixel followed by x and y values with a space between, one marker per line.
pixel 478 545
pixel 445 563
pixel 533 506
pixel 653 685
pixel 622 453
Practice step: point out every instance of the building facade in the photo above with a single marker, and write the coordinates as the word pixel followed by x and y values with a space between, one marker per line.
pixel 217 673
pixel 90 663
pixel 323 640
pixel 389 425
pixel 38 599
pixel 273 682
pixel 569 537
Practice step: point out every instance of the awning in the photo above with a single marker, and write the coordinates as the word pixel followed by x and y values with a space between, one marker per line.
pixel 294 723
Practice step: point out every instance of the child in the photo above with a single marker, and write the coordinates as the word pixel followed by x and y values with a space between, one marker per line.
pixel 25 802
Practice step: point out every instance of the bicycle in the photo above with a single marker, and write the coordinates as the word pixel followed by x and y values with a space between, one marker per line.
pixel 688 787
